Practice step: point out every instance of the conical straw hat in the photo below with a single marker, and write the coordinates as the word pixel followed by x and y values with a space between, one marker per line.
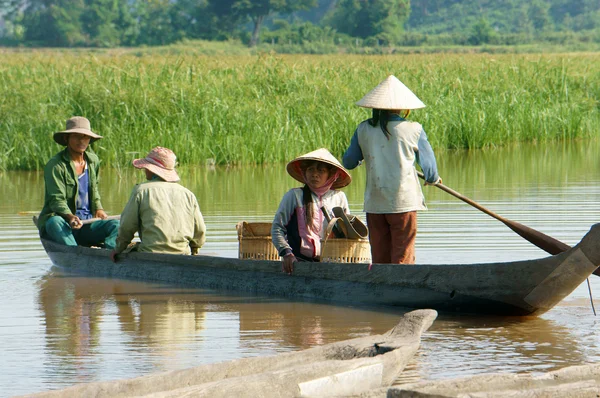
pixel 322 155
pixel 391 94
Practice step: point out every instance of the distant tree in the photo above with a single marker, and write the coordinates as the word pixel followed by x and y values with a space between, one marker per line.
pixel 258 10
pixel 568 23
pixel 539 14
pixel 559 9
pixel 156 22
pixel 424 8
pixel 68 23
pixel 481 32
pixel 7 6
pixel 6 10
pixel 524 24
pixel 370 18
pixel 54 22
pixel 315 14
pixel 98 22
pixel 126 24
pixel 219 19
pixel 582 14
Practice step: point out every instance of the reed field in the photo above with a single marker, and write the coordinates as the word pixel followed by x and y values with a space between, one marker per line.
pixel 256 109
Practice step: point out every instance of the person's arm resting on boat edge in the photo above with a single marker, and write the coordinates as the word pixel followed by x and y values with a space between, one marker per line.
pixel 128 226
pixel 426 159
pixel 353 155
pixel 199 231
pixel 279 230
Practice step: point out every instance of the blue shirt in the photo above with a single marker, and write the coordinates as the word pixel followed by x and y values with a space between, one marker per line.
pixel 83 199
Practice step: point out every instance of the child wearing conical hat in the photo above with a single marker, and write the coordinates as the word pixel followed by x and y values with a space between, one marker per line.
pixel 390 145
pixel 299 224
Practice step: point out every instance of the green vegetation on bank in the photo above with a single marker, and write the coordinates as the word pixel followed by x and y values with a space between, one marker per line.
pixel 308 26
pixel 265 108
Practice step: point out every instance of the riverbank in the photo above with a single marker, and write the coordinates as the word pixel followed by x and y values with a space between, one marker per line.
pixel 268 108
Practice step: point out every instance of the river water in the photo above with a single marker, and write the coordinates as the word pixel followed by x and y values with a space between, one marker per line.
pixel 57 330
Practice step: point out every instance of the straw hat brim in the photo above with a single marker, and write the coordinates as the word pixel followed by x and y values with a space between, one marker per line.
pixel 355 229
pixel 167 175
pixel 60 137
pixel 321 155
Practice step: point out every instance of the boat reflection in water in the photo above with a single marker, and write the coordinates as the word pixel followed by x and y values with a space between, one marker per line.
pixel 89 318
pixel 101 329
pixel 91 322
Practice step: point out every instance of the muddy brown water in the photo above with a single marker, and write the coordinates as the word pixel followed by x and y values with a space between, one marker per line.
pixel 58 330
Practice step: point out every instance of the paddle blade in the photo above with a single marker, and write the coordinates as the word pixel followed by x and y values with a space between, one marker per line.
pixel 543 241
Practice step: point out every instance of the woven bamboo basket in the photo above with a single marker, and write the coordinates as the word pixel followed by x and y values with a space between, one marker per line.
pixel 342 250
pixel 255 241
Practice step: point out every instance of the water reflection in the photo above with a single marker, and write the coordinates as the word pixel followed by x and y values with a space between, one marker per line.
pixel 483 345
pixel 86 316
pixel 77 308
pixel 154 326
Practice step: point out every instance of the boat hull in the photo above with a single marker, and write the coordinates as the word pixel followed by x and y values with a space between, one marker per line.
pixel 518 288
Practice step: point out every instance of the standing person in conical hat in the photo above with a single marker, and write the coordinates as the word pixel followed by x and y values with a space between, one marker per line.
pixel 71 191
pixel 389 145
pixel 299 224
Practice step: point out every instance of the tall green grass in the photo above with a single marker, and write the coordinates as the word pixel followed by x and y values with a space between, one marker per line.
pixel 266 108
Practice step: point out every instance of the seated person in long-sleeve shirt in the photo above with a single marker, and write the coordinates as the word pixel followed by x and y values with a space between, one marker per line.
pixel 165 214
pixel 299 224
pixel 71 191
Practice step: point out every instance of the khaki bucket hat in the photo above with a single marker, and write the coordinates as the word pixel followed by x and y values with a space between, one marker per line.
pixel 160 161
pixel 391 94
pixel 322 155
pixel 76 124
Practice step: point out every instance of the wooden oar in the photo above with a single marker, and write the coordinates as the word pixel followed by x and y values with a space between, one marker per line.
pixel 28 213
pixel 91 220
pixel 544 242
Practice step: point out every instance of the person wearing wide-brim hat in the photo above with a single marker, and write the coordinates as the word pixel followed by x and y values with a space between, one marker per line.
pixel 165 214
pixel 301 219
pixel 390 145
pixel 71 191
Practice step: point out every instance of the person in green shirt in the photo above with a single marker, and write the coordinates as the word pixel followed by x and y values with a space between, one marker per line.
pixel 165 214
pixel 71 191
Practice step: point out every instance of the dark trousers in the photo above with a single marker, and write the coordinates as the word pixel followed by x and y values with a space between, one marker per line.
pixel 99 233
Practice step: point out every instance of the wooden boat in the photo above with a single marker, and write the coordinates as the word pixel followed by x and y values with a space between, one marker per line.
pixel 344 368
pixel 519 288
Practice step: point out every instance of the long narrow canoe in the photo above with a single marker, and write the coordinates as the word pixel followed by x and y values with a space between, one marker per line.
pixel 520 288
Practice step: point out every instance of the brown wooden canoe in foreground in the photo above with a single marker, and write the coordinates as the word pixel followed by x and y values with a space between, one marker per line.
pixel 519 288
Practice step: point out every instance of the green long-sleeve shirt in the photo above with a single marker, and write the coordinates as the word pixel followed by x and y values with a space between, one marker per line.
pixel 62 185
pixel 166 216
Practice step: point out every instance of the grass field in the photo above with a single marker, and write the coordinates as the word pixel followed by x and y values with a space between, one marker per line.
pixel 254 109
